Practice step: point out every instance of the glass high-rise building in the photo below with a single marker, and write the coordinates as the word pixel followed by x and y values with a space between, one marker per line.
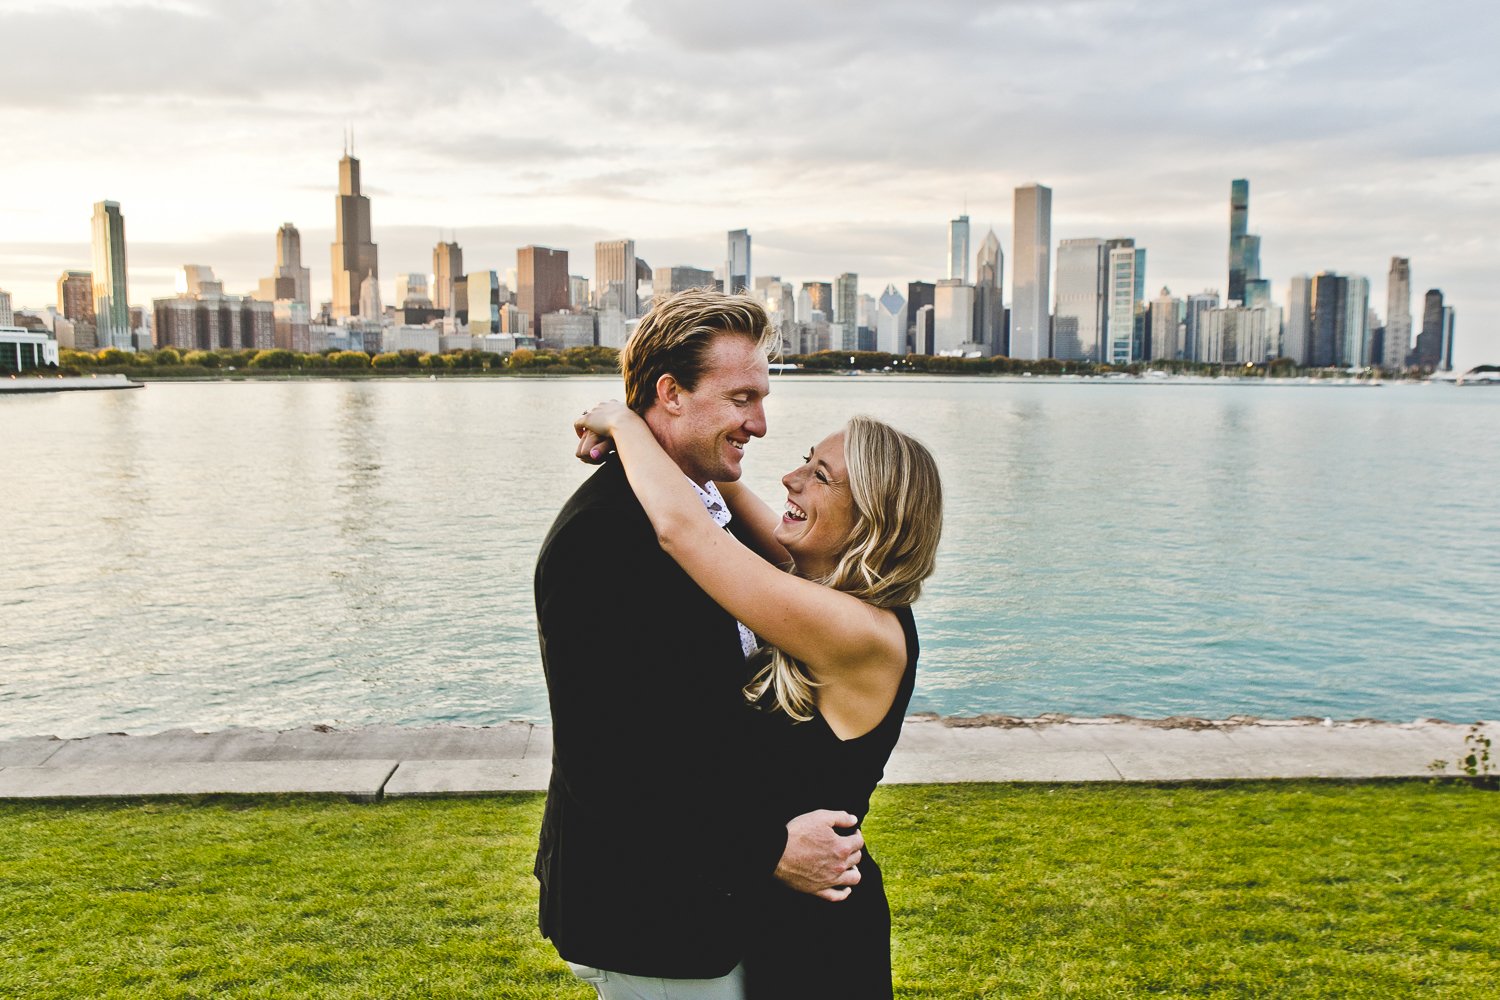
pixel 1355 350
pixel 1124 282
pixel 1329 319
pixel 356 271
pixel 1295 335
pixel 737 273
pixel 1397 315
pixel 989 298
pixel 289 261
pixel 1244 248
pixel 1030 321
pixel 614 277
pixel 920 295
pixel 111 294
pixel 1428 352
pixel 1194 324
pixel 542 283
pixel 447 271
pixel 846 311
pixel 1078 319
pixel 958 249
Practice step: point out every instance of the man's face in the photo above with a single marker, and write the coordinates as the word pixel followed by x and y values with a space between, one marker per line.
pixel 715 421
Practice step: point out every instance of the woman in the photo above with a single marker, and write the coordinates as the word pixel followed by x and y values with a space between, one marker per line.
pixel 858 536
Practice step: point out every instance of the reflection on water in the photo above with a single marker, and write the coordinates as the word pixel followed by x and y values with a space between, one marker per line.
pixel 280 554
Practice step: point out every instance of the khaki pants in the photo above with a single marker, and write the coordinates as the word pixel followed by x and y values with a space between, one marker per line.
pixel 618 986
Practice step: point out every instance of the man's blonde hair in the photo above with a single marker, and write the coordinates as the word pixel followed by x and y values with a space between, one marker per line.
pixel 890 551
pixel 674 336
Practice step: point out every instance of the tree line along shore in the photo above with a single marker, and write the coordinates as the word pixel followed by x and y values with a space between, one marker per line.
pixel 169 363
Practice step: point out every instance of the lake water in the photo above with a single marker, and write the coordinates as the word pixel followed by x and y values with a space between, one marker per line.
pixel 280 554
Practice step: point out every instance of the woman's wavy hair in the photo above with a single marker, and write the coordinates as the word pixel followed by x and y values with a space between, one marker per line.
pixel 891 550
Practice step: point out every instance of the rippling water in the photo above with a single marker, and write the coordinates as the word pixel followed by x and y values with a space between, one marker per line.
pixel 278 554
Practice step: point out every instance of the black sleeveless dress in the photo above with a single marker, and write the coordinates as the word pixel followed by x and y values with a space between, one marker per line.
pixel 808 946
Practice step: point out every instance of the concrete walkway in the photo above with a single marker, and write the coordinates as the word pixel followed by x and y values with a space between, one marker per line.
pixel 392 762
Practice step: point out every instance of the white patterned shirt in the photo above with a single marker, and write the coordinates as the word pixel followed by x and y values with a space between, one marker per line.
pixel 713 502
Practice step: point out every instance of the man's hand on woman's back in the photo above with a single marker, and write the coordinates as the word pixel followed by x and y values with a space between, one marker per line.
pixel 819 860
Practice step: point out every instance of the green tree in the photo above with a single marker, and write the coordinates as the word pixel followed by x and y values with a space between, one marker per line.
pixel 349 360
pixel 113 357
pixel 275 359
pixel 166 357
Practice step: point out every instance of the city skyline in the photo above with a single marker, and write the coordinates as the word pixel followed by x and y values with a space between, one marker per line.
pixel 598 133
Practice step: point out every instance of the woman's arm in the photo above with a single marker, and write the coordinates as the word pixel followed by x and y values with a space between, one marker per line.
pixel 838 636
pixel 757 521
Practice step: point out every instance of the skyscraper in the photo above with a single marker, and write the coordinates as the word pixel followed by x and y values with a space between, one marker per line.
pixel 1166 327
pixel 1445 354
pixel 1194 324
pixel 846 311
pixel 289 261
pixel 614 277
pixel 1125 274
pixel 1296 340
pixel 819 297
pixel 7 313
pixel 989 298
pixel 1428 352
pixel 668 281
pixel 75 296
pixel 1079 316
pixel 1030 325
pixel 953 317
pixel 1328 322
pixel 1397 315
pixel 447 270
pixel 542 283
pixel 919 295
pixel 958 249
pixel 484 291
pixel 1355 349
pixel 291 282
pixel 111 295
pixel 890 322
pixel 411 291
pixel 1244 248
pixel 354 256
pixel 737 273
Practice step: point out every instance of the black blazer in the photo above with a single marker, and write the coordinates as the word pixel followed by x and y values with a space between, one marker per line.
pixel 657 827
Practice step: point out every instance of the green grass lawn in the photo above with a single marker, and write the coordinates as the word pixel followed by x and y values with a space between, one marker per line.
pixel 1245 890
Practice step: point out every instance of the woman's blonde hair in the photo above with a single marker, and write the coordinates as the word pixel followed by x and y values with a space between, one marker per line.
pixel 891 550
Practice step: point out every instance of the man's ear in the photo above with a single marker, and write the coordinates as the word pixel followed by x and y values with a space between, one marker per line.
pixel 669 394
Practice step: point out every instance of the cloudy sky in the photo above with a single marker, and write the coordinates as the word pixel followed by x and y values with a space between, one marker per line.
pixel 843 134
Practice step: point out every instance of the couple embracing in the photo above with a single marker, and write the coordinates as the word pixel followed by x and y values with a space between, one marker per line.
pixel 726 682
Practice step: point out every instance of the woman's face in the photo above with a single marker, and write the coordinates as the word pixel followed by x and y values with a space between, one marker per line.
pixel 819 511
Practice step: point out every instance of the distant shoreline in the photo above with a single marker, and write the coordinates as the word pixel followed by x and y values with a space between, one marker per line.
pixel 134 378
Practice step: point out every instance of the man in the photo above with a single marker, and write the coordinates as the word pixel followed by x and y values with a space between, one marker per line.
pixel 655 835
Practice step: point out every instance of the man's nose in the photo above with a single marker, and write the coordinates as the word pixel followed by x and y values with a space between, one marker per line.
pixel 755 423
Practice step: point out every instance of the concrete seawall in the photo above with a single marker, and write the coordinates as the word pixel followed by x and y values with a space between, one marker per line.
pixel 391 762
